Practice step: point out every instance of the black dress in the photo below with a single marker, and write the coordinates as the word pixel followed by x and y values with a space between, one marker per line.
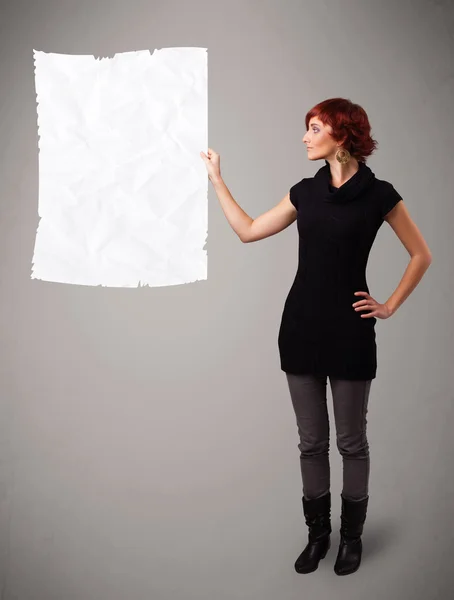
pixel 320 331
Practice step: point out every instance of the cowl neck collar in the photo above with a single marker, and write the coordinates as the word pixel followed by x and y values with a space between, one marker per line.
pixel 349 190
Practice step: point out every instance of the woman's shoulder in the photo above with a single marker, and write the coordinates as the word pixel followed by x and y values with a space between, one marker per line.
pixel 383 185
pixel 300 183
pixel 386 195
pixel 298 190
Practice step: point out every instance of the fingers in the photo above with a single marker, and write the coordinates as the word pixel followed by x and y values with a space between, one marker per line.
pixel 360 303
pixel 364 307
pixel 209 152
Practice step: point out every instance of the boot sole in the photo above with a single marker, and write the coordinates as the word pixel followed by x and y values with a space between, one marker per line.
pixel 322 556
pixel 348 572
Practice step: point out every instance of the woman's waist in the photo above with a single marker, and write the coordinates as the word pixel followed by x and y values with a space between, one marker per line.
pixel 329 310
pixel 328 283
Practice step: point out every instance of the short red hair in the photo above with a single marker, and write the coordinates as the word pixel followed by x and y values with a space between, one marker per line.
pixel 350 125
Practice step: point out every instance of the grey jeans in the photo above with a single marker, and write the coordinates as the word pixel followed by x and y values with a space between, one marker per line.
pixel 350 398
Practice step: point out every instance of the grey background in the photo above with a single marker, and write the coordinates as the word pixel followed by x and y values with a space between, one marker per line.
pixel 148 448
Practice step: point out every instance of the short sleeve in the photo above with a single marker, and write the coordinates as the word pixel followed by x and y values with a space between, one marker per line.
pixel 295 193
pixel 293 198
pixel 389 197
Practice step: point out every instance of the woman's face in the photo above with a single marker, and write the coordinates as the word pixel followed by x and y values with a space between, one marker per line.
pixel 318 140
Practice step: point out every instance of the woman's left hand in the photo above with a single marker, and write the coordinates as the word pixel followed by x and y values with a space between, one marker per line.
pixel 382 311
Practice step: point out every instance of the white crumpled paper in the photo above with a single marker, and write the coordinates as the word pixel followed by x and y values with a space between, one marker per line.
pixel 123 192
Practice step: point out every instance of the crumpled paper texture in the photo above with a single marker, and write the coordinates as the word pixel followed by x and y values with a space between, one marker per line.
pixel 123 193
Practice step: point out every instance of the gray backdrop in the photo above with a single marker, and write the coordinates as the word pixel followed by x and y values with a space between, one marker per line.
pixel 148 447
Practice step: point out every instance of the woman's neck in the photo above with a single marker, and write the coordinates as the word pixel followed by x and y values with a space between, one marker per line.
pixel 340 173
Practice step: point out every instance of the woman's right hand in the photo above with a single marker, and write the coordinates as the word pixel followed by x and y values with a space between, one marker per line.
pixel 212 163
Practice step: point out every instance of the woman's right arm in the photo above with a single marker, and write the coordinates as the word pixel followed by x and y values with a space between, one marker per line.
pixel 249 230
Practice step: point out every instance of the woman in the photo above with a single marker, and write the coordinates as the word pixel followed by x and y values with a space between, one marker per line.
pixel 325 330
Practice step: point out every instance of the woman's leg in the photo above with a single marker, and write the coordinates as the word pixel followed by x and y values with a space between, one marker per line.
pixel 350 401
pixel 308 394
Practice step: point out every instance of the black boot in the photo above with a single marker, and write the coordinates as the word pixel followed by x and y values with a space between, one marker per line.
pixel 318 519
pixel 353 515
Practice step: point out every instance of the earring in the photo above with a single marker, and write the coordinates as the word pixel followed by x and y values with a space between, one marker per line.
pixel 343 156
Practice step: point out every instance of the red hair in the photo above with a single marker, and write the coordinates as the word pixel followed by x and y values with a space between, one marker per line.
pixel 350 125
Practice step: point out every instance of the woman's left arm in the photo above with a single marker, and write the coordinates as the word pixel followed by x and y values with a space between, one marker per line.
pixel 410 236
pixel 421 257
